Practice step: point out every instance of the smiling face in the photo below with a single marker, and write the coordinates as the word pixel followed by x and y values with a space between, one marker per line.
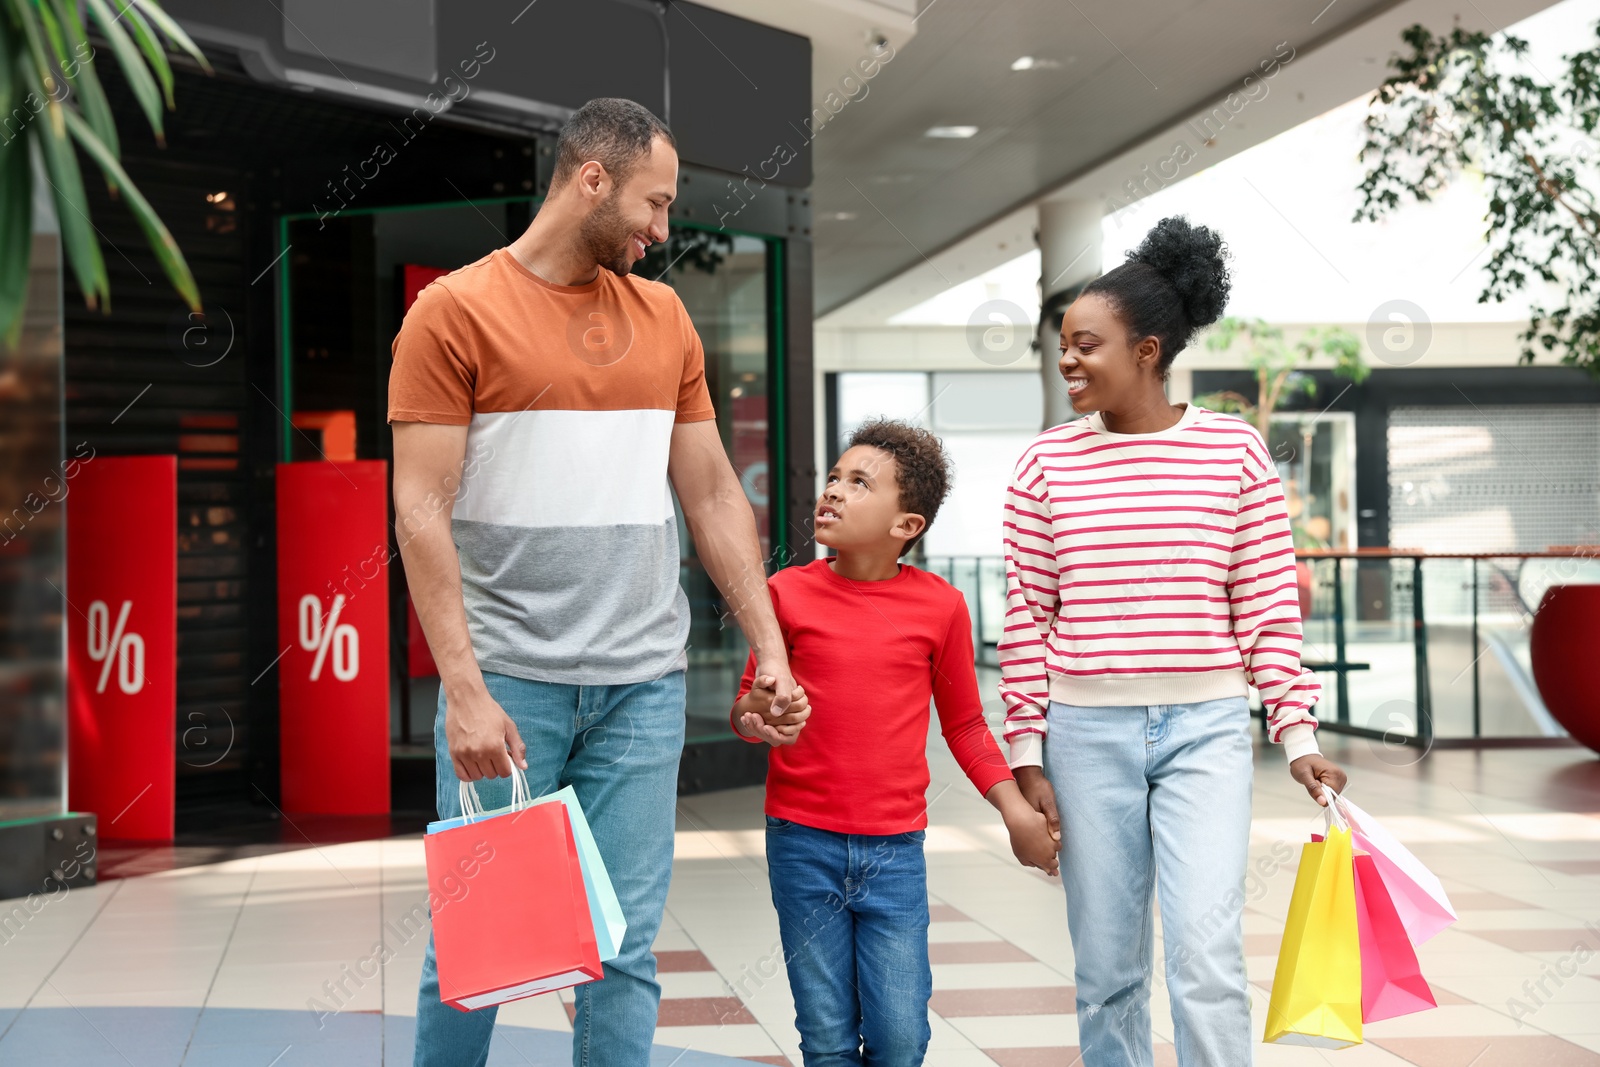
pixel 632 216
pixel 1105 370
pixel 860 504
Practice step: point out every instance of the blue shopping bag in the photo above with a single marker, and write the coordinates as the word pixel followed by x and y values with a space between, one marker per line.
pixel 610 927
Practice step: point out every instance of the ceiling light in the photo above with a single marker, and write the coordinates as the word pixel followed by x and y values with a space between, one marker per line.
pixel 840 216
pixel 958 133
pixel 1035 63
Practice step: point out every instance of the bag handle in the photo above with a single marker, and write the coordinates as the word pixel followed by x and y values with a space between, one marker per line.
pixel 472 807
pixel 1334 814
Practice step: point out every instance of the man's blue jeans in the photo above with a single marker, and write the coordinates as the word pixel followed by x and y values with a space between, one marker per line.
pixel 1147 794
pixel 853 915
pixel 618 747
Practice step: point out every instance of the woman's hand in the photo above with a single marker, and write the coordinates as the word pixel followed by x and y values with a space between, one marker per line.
pixel 1314 772
pixel 1034 840
pixel 1036 790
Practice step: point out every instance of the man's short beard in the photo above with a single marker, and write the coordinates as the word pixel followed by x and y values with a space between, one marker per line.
pixel 605 238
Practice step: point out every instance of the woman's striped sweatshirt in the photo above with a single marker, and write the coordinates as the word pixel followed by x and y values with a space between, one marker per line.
pixel 1152 568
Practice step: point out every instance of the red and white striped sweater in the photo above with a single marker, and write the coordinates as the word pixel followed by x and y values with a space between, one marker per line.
pixel 1152 568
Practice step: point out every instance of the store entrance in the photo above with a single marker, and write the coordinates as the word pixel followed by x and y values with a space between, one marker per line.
pixel 347 281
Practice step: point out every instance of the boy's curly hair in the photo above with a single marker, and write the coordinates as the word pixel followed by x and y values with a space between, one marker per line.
pixel 922 466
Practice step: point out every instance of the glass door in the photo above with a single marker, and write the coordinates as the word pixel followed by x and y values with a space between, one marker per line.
pixel 724 280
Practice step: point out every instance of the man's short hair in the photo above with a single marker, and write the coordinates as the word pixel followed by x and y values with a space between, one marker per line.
pixel 922 466
pixel 614 132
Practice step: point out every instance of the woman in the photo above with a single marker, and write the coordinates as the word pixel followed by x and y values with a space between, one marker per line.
pixel 1150 580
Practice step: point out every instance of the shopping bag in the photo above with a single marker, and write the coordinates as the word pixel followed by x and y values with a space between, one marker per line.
pixel 1391 979
pixel 1418 897
pixel 1316 990
pixel 610 927
pixel 512 918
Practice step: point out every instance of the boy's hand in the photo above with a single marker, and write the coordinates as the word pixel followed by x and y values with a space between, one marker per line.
pixel 1031 840
pixel 1315 771
pixel 757 719
pixel 1035 840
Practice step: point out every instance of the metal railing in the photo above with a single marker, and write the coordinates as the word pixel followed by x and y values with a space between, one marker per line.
pixel 1413 648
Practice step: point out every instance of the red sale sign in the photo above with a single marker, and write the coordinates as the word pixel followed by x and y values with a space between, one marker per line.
pixel 333 630
pixel 122 644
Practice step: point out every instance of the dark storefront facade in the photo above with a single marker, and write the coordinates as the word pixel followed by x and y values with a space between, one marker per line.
pixel 308 184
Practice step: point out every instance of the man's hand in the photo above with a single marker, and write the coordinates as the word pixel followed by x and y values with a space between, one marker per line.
pixel 482 738
pixel 1315 771
pixel 779 681
pixel 756 715
pixel 1036 790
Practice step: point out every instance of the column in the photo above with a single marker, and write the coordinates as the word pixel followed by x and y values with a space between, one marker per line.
pixel 1069 253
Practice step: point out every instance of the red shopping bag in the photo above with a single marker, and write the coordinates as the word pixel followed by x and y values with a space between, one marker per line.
pixel 519 923
pixel 1391 980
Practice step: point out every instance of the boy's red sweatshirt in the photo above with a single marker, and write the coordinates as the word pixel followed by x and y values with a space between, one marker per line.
pixel 870 656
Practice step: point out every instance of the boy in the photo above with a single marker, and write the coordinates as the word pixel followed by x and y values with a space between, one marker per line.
pixel 871 641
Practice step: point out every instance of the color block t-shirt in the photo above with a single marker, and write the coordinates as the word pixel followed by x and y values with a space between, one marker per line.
pixel 563 522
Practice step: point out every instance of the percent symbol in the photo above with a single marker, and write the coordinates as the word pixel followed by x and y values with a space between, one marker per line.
pixel 124 649
pixel 319 636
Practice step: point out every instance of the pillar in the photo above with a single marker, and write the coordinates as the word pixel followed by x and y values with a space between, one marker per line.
pixel 1069 254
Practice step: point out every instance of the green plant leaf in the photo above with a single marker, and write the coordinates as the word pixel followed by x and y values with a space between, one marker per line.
pixel 173 32
pixel 153 53
pixel 27 21
pixel 132 65
pixel 155 231
pixel 16 231
pixel 52 33
pixel 49 132
pixel 72 210
pixel 85 79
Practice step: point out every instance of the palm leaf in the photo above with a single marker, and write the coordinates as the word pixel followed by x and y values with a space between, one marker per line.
pixel 155 231
pixel 151 47
pixel 61 169
pixel 171 30
pixel 132 64
pixel 87 82
pixel 43 50
pixel 16 228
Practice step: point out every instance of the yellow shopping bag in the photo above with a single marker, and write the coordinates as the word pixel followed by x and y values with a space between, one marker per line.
pixel 1316 992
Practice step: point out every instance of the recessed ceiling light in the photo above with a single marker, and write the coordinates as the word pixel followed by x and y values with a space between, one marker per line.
pixel 1035 63
pixel 958 133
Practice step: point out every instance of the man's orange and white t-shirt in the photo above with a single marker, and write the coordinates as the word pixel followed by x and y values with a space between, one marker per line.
pixel 564 519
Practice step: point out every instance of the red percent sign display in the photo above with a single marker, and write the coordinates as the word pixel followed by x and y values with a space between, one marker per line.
pixel 122 640
pixel 333 631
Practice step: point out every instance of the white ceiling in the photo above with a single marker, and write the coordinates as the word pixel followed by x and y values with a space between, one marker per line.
pixel 901 216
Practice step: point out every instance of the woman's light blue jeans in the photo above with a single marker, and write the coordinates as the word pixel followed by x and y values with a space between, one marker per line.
pixel 1155 794
pixel 853 916
pixel 618 747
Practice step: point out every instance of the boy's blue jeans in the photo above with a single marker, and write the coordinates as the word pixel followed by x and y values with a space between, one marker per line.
pixel 1160 792
pixel 618 747
pixel 853 915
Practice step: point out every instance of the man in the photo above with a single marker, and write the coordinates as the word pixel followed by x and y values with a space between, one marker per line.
pixel 542 398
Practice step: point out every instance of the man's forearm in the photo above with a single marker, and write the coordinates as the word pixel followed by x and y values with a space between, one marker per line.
pixel 433 574
pixel 724 531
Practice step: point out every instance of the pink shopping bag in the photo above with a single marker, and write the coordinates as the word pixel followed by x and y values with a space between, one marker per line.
pixel 1418 896
pixel 1391 980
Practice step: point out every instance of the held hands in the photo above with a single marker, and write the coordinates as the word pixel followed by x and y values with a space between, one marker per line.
pixel 1035 831
pixel 761 716
pixel 483 740
pixel 1314 771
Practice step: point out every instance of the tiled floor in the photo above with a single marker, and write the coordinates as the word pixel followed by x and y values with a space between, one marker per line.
pixel 267 960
